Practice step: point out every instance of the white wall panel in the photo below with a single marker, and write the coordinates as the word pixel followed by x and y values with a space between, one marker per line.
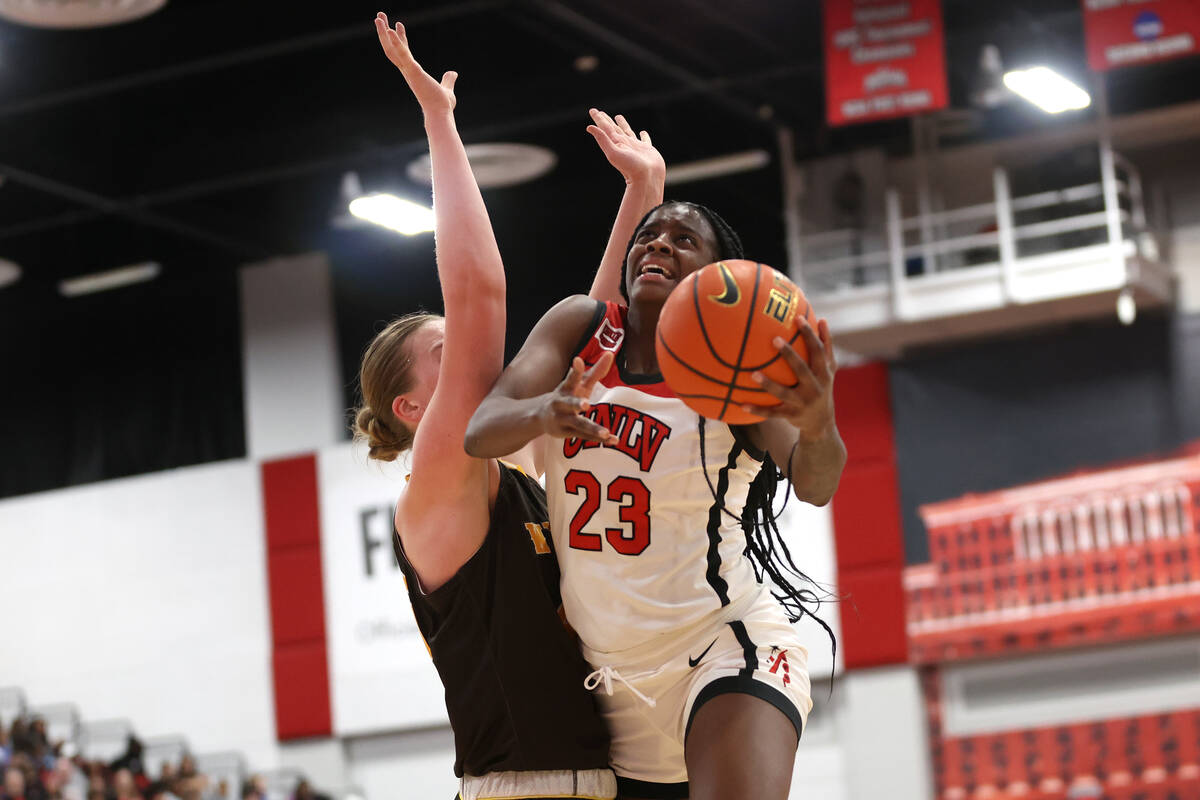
pixel 290 366
pixel 144 598
pixel 417 764
pixel 381 675
pixel 808 532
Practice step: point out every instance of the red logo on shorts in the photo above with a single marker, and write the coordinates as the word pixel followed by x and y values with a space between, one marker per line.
pixel 776 661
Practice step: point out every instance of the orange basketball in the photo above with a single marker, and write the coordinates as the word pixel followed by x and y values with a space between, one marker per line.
pixel 716 329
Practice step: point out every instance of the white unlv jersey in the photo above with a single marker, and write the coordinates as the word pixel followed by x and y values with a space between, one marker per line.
pixel 644 548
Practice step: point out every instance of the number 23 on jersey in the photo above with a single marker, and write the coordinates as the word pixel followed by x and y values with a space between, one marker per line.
pixel 634 513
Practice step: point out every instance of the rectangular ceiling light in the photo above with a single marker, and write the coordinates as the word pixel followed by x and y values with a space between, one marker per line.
pixel 110 279
pixel 1047 90
pixel 395 213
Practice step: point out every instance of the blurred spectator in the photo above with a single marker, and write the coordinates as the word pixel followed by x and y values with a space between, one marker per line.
pixel 71 783
pixel 32 788
pixel 34 768
pixel 255 788
pixel 189 783
pixel 305 792
pixel 124 786
pixel 131 759
pixel 14 784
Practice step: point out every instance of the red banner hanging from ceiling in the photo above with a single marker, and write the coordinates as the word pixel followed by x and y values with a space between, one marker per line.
pixel 1122 33
pixel 883 59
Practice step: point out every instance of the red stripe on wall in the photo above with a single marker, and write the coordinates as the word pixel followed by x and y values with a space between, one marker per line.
pixel 299 660
pixel 866 522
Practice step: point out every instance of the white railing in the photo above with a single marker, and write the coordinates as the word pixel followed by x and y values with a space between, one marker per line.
pixel 1001 233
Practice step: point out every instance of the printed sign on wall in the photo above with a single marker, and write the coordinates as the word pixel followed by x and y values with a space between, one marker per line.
pixel 380 672
pixel 1122 33
pixel 883 59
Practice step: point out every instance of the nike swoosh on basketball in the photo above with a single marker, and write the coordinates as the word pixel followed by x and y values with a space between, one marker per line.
pixel 732 293
pixel 694 661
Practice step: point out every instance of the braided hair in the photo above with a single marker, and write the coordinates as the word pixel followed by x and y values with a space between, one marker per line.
pixel 765 546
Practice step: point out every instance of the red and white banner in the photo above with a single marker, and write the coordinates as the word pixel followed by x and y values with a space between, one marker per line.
pixel 883 59
pixel 1122 33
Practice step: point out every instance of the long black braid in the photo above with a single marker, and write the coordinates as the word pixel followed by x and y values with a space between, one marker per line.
pixel 765 546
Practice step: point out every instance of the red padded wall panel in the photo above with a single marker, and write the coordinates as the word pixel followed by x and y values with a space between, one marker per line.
pixel 866 516
pixel 864 412
pixel 300 665
pixel 873 630
pixel 302 691
pixel 866 522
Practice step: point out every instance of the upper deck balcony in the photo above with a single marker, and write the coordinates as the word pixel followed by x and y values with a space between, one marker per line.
pixel 995 241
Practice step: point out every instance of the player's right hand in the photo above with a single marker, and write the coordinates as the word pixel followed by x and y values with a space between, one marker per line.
pixel 432 96
pixel 562 412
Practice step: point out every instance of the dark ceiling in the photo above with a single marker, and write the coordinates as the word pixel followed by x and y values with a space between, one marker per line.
pixel 216 132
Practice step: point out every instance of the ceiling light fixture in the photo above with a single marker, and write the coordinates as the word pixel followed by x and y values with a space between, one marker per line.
pixel 1126 307
pixel 1047 90
pixel 394 213
pixel 76 13
pixel 110 279
pixel 717 167
pixel 494 164
pixel 10 273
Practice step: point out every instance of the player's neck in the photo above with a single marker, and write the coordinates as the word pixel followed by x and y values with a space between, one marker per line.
pixel 638 350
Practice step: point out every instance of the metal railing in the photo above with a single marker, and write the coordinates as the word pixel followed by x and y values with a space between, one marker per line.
pixel 999 233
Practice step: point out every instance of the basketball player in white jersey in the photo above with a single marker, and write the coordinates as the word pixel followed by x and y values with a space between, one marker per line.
pixel 661 524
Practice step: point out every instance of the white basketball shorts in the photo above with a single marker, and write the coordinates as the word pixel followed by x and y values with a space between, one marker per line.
pixel 650 697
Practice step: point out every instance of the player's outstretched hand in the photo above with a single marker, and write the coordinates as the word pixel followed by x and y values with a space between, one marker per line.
pixel 633 155
pixel 432 95
pixel 563 410
pixel 808 405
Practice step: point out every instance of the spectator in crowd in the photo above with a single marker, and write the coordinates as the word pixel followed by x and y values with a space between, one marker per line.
pixel 131 759
pixel 304 791
pixel 14 784
pixel 32 786
pixel 124 785
pixel 189 783
pixel 255 788
pixel 34 768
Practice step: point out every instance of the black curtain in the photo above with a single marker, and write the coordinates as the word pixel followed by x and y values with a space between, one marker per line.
pixel 119 383
pixel 1005 413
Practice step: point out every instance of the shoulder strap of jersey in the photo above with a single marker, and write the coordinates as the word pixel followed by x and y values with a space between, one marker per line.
pixel 605 332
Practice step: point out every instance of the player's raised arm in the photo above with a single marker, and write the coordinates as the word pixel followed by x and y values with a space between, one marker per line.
pixel 642 166
pixel 470 270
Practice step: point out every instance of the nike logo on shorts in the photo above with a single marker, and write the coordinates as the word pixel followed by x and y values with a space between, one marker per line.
pixel 694 661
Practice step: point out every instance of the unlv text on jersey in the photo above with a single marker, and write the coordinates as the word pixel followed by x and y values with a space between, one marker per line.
pixel 639 435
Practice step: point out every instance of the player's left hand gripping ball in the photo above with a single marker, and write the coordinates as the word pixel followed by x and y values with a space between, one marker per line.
pixel 809 404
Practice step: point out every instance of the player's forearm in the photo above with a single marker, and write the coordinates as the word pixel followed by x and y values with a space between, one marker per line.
pixel 817 467
pixel 641 194
pixel 468 259
pixel 502 425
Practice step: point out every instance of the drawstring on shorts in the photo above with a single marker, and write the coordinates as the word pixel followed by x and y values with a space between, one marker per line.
pixel 607 674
